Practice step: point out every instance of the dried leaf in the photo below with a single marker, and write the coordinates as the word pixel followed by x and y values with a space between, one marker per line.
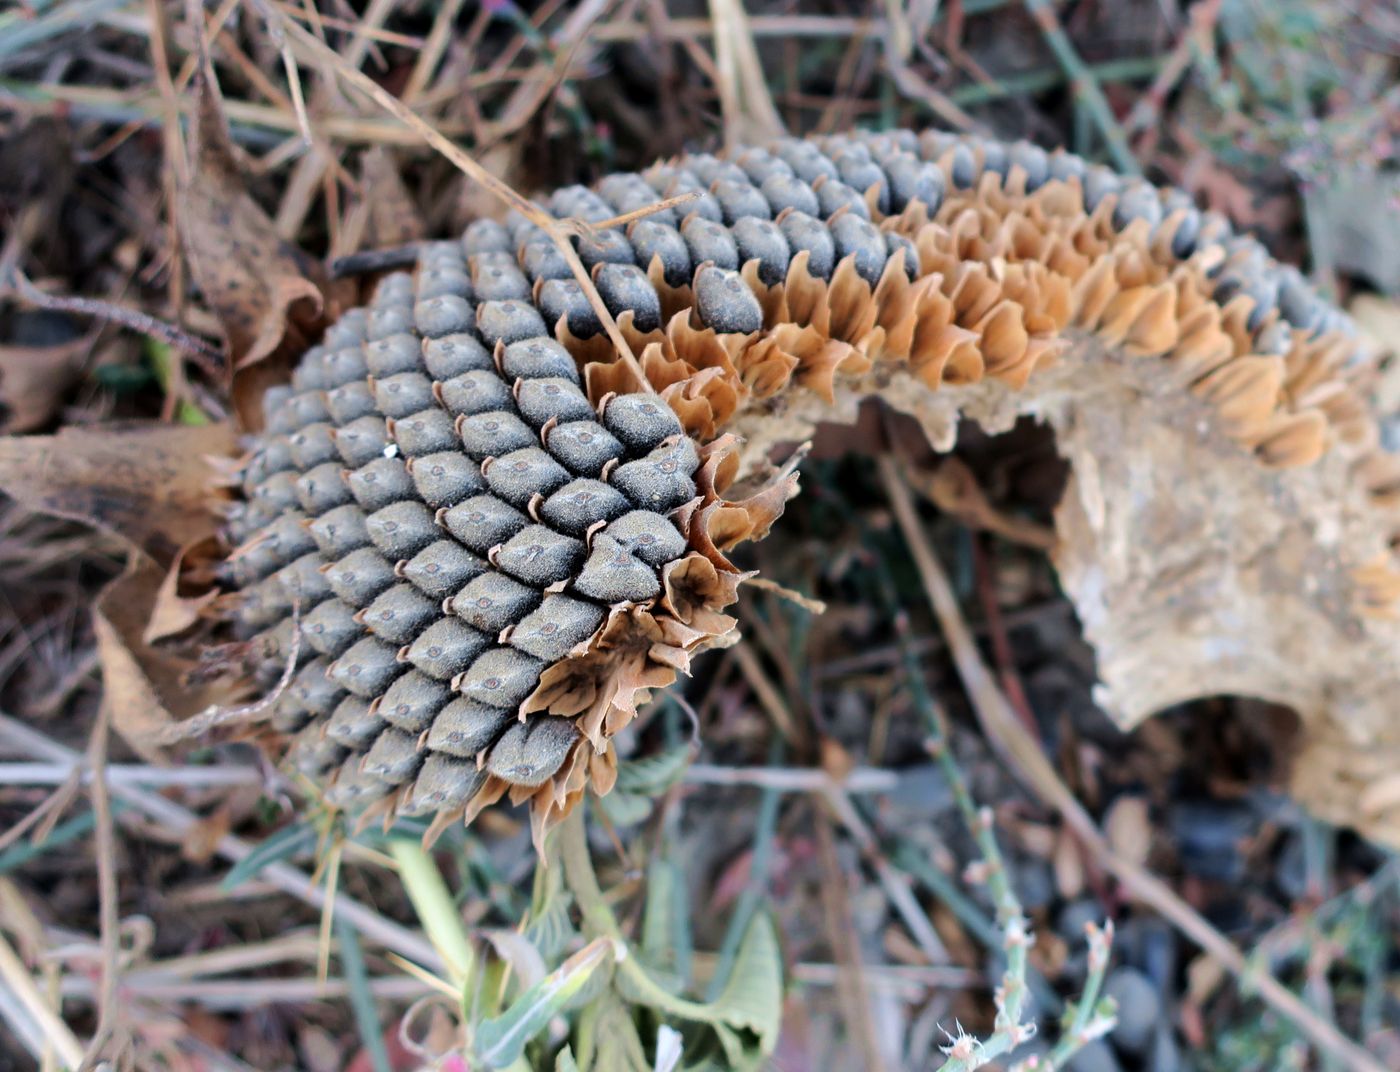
pixel 146 689
pixel 1128 827
pixel 201 840
pixel 1068 865
pixel 263 290
pixel 173 613
pixel 151 484
pixel 33 380
pixel 393 217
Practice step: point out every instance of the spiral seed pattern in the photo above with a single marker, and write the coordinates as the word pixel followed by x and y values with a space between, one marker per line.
pixel 439 494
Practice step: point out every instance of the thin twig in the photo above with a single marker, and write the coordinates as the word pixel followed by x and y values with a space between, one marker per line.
pixel 209 358
pixel 1024 755
pixel 109 922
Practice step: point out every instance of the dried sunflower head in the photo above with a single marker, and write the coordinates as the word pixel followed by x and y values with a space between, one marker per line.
pixel 497 540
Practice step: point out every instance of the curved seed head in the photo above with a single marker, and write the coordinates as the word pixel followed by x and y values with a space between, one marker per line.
pixel 442 568
pixel 446 648
pixel 312 445
pixel 581 504
pixel 339 531
pixel 507 322
pixel 353 725
pixel 443 784
pixel 710 241
pixel 445 314
pixel 366 669
pixel 400 613
pixel 402 530
pixel 477 391
pixel 501 677
pixel 426 432
pixel 393 758
pixel 564 299
pixel 560 624
pixel 724 302
pixel 489 435
pixel 530 752
pixel 465 728
pixel 493 601
pixel 538 357
pixel 362 440
pixel 482 522
pixel 539 556
pixel 625 287
pixel 612 574
pixel 519 476
pixel 453 355
pixel 393 355
pixel 552 397
pixel 405 393
pixel 413 701
pixel 360 576
pixel 322 488
pixel 650 536
pixel 583 447
pixel 662 480
pixel 446 477
pixel 380 482
pixel 330 627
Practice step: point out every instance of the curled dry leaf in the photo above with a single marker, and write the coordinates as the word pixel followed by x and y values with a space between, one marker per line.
pixel 149 484
pixel 174 612
pixel 393 217
pixel 33 380
pixel 265 292
pixel 146 688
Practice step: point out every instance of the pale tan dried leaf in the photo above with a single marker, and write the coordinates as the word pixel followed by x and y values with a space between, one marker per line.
pixel 33 381
pixel 151 484
pixel 394 219
pixel 1128 828
pixel 172 612
pixel 262 289
pixel 145 688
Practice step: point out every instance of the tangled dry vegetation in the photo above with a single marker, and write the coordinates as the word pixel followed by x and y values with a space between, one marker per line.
pixel 893 826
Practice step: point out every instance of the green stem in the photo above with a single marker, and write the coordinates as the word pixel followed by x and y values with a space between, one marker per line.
pixel 599 921
pixel 1086 87
pixel 436 910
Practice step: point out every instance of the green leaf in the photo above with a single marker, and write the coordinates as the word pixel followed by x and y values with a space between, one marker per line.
pixel 352 962
pixel 162 358
pixel 564 1061
pixel 501 1041
pixel 746 1017
pixel 552 930
pixel 752 998
pixel 619 1046
pixel 626 809
pixel 287 843
pixel 653 775
pixel 666 921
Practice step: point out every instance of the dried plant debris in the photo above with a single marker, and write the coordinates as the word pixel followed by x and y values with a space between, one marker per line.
pixel 502 542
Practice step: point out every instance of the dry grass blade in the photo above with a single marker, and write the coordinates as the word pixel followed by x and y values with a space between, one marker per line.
pixel 177 820
pixel 1023 753
pixel 318 51
pixel 66 1047
pixel 749 113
